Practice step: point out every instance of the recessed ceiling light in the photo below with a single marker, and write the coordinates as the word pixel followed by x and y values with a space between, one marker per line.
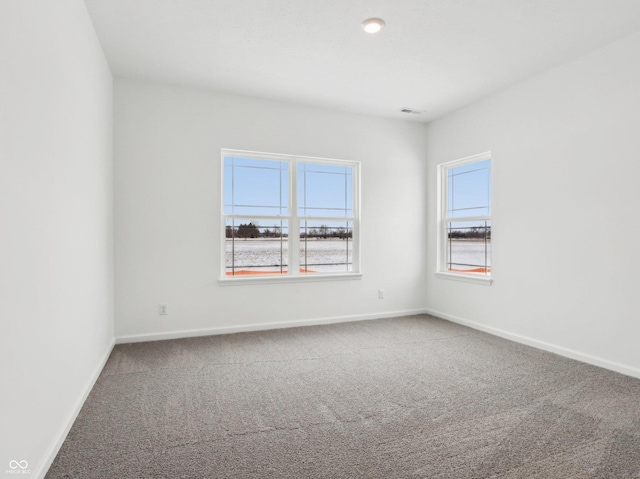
pixel 372 25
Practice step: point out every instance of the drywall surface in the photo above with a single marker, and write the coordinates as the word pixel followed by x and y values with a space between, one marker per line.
pixel 167 209
pixel 56 246
pixel 565 192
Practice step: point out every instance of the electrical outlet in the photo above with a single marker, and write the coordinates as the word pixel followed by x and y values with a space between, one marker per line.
pixel 381 294
pixel 162 309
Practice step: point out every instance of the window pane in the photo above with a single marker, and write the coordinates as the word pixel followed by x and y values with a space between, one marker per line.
pixel 255 187
pixel 325 190
pixel 253 248
pixel 326 246
pixel 469 247
pixel 469 190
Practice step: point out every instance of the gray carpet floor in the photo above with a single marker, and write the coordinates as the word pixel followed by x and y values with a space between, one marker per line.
pixel 411 397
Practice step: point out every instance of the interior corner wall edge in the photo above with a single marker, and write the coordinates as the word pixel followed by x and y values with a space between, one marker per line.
pixel 167 210
pixel 565 193
pixel 56 202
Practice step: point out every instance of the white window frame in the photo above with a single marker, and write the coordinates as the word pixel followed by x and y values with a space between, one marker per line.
pixel 443 221
pixel 293 218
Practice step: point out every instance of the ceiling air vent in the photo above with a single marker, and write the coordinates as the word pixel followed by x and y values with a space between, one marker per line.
pixel 411 111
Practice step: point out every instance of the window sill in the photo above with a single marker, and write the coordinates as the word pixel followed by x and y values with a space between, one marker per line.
pixel 231 281
pixel 465 277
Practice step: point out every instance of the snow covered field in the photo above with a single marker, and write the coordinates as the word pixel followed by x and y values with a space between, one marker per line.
pixel 264 255
pixel 468 254
pixel 330 255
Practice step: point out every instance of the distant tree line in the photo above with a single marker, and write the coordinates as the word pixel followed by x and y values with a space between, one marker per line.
pixel 324 232
pixel 252 230
pixel 244 231
pixel 474 232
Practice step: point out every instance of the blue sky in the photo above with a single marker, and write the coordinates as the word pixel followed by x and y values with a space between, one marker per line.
pixel 469 190
pixel 261 187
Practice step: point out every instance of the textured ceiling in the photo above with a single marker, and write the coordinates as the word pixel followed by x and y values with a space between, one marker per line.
pixel 433 55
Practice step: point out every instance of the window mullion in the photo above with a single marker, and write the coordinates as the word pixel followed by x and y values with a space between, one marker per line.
pixel 355 222
pixel 294 223
pixel 443 180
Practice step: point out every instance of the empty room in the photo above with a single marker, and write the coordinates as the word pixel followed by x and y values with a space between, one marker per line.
pixel 331 239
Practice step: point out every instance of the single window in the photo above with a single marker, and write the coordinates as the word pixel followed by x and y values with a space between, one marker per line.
pixel 287 216
pixel 465 217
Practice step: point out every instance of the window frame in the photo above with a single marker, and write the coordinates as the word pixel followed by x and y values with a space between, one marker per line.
pixel 293 218
pixel 444 220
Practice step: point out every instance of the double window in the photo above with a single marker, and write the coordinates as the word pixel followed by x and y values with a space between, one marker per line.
pixel 465 218
pixel 287 216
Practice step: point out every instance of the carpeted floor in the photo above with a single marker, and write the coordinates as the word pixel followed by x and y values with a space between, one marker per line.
pixel 412 397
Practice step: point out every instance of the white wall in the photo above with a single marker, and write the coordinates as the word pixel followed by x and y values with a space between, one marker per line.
pixel 56 261
pixel 566 170
pixel 167 189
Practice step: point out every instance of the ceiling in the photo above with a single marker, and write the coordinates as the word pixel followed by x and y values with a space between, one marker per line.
pixel 433 55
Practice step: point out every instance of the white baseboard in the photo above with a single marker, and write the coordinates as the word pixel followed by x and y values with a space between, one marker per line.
pixel 44 466
pixel 188 333
pixel 553 348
